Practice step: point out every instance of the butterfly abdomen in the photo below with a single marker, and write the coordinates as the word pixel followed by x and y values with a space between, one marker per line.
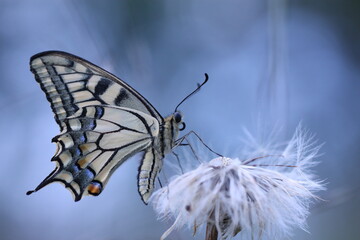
pixel 151 163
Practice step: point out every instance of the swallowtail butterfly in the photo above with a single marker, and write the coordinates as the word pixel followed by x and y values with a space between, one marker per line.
pixel 103 122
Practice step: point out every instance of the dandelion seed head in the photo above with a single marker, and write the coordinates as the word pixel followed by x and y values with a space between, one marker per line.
pixel 244 199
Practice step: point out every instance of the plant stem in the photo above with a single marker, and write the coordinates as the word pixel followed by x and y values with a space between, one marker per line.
pixel 211 232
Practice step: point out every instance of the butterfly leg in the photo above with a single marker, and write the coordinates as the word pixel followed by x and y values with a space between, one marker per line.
pixel 178 160
pixel 159 182
pixel 180 140
pixel 193 150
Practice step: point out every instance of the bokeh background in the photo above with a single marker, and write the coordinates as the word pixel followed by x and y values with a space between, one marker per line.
pixel 271 63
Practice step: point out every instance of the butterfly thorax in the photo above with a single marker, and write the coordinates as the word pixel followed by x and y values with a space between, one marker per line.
pixel 169 132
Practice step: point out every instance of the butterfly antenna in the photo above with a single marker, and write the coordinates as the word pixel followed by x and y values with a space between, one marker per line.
pixel 197 89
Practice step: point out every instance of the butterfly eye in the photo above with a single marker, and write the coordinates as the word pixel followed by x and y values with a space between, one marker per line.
pixel 177 117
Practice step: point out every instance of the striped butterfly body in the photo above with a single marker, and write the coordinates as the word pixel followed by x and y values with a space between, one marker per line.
pixel 103 122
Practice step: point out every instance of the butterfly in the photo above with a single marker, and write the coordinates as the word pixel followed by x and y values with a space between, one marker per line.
pixel 103 122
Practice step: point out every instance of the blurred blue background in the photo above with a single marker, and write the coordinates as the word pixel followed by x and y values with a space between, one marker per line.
pixel 271 63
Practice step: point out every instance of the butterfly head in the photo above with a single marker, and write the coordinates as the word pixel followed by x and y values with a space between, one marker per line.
pixel 170 129
pixel 177 118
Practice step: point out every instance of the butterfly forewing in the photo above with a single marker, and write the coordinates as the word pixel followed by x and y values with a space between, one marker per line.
pixel 71 83
pixel 103 122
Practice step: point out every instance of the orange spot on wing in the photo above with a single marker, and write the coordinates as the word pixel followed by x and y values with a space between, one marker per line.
pixel 94 189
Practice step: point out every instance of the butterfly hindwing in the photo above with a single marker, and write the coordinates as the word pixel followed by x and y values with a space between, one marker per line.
pixel 92 145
